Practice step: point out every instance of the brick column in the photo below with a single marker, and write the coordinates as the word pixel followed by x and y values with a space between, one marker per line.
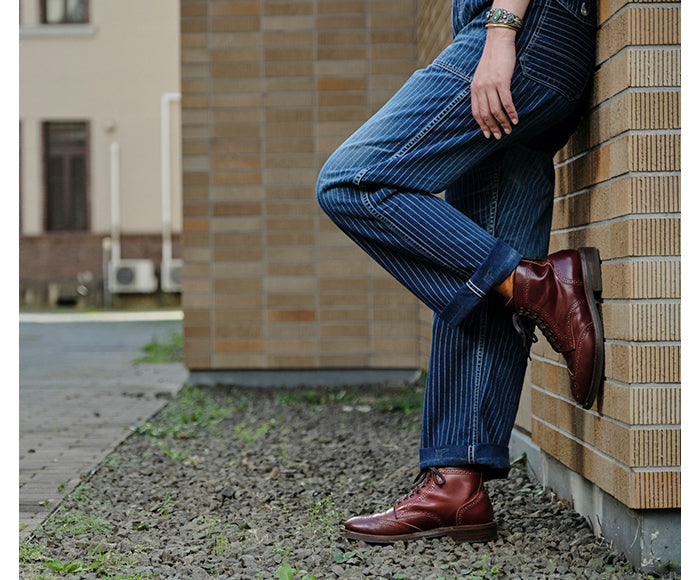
pixel 619 189
pixel 269 89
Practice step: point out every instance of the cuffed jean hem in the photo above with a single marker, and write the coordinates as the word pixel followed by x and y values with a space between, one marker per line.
pixel 495 269
pixel 494 459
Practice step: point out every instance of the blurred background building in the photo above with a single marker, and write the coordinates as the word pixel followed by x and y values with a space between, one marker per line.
pixel 99 107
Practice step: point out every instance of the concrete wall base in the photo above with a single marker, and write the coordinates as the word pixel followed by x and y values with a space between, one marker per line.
pixel 303 377
pixel 649 539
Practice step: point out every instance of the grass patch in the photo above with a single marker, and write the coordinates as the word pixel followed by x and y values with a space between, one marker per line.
pixel 76 522
pixel 193 413
pixel 406 399
pixel 167 351
pixel 104 564
pixel 250 434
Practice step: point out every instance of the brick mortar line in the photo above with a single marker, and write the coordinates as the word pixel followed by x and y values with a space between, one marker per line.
pixel 633 48
pixel 631 5
pixel 611 419
pixel 621 219
pixel 650 469
pixel 614 179
pixel 612 380
pixel 635 301
pixel 619 137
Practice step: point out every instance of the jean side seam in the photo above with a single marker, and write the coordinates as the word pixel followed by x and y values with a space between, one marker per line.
pixel 477 384
pixel 483 319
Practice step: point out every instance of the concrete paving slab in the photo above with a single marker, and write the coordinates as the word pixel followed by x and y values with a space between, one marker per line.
pixel 79 394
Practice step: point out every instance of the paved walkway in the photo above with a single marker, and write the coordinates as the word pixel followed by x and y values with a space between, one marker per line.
pixel 79 392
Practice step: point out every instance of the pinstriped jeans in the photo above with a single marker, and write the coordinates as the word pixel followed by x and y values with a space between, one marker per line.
pixel 380 188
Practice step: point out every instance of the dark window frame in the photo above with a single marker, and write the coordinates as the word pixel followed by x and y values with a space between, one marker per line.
pixel 43 13
pixel 45 173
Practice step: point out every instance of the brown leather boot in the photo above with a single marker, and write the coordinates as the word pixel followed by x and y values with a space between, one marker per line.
pixel 445 501
pixel 559 294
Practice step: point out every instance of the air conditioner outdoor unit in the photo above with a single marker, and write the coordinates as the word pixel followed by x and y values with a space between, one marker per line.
pixel 171 276
pixel 136 276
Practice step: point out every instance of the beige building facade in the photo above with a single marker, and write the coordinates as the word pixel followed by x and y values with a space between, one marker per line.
pixel 98 80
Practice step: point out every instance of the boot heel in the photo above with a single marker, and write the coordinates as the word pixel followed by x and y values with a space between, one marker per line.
pixel 590 261
pixel 475 533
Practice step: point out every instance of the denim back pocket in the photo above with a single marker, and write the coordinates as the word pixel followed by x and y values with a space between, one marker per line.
pixel 560 49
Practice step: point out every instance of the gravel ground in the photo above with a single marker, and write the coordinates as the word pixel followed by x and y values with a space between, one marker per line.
pixel 255 484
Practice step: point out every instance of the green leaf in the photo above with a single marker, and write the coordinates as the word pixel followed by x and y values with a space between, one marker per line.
pixel 285 571
pixel 342 558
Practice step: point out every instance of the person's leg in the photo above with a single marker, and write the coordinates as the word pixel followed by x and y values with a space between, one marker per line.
pixel 379 185
pixel 379 188
pixel 476 369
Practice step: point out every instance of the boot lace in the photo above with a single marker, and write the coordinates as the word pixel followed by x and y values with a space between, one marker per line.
pixel 421 481
pixel 527 335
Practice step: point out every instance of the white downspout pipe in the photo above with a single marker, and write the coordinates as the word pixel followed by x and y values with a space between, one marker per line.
pixel 165 101
pixel 115 200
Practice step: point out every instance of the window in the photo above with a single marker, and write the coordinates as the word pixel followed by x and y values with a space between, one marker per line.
pixel 64 11
pixel 66 166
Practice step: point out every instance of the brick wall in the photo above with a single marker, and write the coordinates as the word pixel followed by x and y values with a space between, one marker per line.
pixel 619 189
pixel 269 89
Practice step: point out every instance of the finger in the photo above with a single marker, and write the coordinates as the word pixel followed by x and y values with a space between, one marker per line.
pixel 508 106
pixel 498 105
pixel 477 113
pixel 502 118
pixel 494 112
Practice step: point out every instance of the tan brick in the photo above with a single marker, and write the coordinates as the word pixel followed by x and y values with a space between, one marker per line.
pixel 235 9
pixel 639 25
pixel 629 237
pixel 642 321
pixel 638 490
pixel 637 67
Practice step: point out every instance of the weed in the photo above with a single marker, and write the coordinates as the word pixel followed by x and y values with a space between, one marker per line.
pixel 324 518
pixel 192 413
pixel 176 454
pixel 250 435
pixel 75 522
pixel 74 566
pixel 165 507
pixel 483 569
pixel 286 572
pixel 216 528
pixel 162 352
pixel 28 553
pixel 343 557
pixel 283 552
pixel 406 399
pixel 102 564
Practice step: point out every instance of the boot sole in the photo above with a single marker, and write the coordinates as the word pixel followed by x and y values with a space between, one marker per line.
pixel 593 287
pixel 473 533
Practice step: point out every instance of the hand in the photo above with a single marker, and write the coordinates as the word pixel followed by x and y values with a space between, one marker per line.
pixel 492 103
